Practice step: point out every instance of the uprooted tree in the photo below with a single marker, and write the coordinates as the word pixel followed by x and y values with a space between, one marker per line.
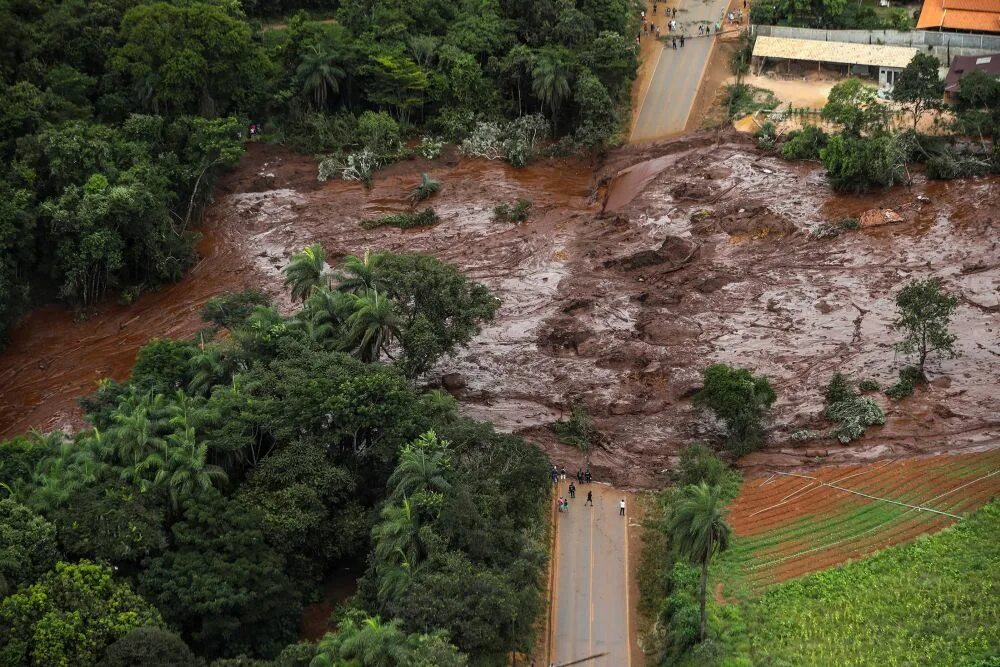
pixel 741 400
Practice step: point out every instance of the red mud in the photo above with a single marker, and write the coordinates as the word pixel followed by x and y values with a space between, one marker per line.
pixel 702 256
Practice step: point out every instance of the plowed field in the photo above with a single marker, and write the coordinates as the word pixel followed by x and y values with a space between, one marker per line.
pixel 787 525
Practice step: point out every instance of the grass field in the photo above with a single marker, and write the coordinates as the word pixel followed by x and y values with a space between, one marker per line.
pixel 786 526
pixel 935 601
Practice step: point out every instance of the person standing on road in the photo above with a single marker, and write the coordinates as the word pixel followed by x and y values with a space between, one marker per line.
pixel 621 508
pixel 590 498
pixel 579 476
pixel 587 477
pixel 572 490
pixel 562 473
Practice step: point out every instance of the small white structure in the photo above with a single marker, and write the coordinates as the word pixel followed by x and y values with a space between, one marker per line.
pixel 856 58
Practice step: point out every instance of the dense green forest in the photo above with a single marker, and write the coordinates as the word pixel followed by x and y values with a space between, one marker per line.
pixel 117 115
pixel 220 484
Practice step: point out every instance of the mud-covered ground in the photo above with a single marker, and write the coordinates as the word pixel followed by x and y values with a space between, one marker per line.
pixel 617 292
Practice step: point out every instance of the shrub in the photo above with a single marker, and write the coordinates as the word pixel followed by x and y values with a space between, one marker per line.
pixel 357 166
pixel 854 414
pixel 805 144
pixel 804 435
pixel 849 223
pixel 578 430
pixel 233 308
pixel 838 389
pixel 379 132
pixel 767 136
pixel 427 187
pixel 700 464
pixel 825 231
pixel 740 400
pixel 431 147
pixel 516 212
pixel 909 377
pixel 515 141
pixel 407 220
pixel 742 99
pixel 868 385
pixel 856 164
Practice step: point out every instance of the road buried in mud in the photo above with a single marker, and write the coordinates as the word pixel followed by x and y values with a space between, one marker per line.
pixel 616 292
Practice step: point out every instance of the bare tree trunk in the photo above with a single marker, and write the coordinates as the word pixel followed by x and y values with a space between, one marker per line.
pixel 704 589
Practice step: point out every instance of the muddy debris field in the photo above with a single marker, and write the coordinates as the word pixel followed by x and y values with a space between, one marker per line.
pixel 624 283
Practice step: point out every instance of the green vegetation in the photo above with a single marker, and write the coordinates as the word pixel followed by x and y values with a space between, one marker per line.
pixel 853 413
pixel 220 485
pixel 578 430
pixel 741 99
pixel 427 187
pixel 698 531
pixel 909 378
pixel 515 213
pixel 683 529
pixel 867 153
pixel 406 220
pixel 831 15
pixel 741 401
pixel 923 313
pixel 116 118
pixel 804 144
pixel 927 603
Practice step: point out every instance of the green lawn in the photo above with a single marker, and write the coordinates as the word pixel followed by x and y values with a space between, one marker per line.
pixel 935 601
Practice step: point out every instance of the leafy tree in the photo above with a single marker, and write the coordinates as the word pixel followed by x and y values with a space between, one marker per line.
pixel 163 366
pixel 918 86
pixel 27 545
pixel 698 531
pixel 700 464
pixel 379 132
pixel 438 307
pixel 70 616
pixel 306 271
pixel 221 584
pixel 233 309
pixel 855 164
pixel 394 80
pixel 149 646
pixel 187 58
pixel 597 122
pixel 741 400
pixel 855 106
pixel 360 274
pixel 923 313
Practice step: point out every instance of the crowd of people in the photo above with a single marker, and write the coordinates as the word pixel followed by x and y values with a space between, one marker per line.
pixel 582 477
pixel 649 26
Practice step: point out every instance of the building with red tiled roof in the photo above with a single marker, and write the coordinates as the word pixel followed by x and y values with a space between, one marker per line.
pixel 960 15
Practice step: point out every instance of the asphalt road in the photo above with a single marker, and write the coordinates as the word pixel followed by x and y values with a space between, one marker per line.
pixel 666 103
pixel 590 604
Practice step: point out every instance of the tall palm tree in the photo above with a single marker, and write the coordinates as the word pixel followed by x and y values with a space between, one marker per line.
pixel 360 274
pixel 135 435
pixel 319 74
pixel 698 530
pixel 305 271
pixel 422 467
pixel 213 364
pixel 550 81
pixel 323 314
pixel 372 326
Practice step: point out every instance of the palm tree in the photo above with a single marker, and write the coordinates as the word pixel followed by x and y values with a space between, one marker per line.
pixel 397 536
pixel 364 641
pixel 320 75
pixel 371 326
pixel 422 467
pixel 360 274
pixel 305 271
pixel 135 436
pixel 323 314
pixel 213 364
pixel 698 530
pixel 550 81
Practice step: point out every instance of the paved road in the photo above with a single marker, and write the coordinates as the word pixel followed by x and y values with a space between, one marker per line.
pixel 666 103
pixel 591 604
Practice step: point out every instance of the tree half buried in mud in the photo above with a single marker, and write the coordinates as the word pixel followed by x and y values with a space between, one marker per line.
pixel 741 400
pixel 924 312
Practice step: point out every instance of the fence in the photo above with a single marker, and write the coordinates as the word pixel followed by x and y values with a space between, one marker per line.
pixel 944 45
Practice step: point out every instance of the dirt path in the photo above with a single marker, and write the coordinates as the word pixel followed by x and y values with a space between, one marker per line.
pixel 592 604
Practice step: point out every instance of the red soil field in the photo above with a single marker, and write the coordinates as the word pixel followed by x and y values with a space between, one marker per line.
pixel 827 525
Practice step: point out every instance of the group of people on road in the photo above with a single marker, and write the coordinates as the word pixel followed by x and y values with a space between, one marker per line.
pixel 582 477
